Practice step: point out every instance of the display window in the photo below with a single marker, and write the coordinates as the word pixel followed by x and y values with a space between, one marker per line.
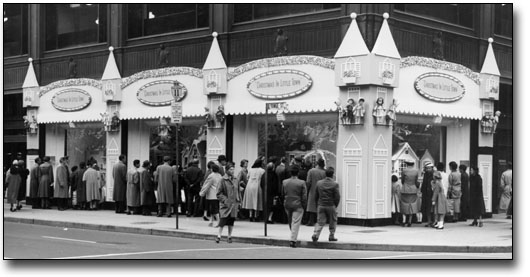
pixel 86 142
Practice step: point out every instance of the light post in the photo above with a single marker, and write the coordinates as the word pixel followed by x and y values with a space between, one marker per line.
pixel 279 108
pixel 176 117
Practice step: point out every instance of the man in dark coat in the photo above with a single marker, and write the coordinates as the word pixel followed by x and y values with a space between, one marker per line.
pixel 119 174
pixel 34 184
pixel 313 176
pixel 80 186
pixel 426 194
pixel 464 204
pixel 147 188
pixel 327 196
pixel 295 199
pixel 193 177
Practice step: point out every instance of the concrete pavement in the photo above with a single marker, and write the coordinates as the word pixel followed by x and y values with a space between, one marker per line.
pixel 495 236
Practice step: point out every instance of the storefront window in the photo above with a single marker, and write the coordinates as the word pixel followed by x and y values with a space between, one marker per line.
pixel 504 20
pixel 15 29
pixel 249 12
pixel 312 138
pixel 86 142
pixel 460 14
pixel 70 25
pixel 162 142
pixel 153 19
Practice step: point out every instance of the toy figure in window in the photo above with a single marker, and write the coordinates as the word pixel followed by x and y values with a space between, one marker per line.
pixel 115 122
pixel 379 112
pixel 220 114
pixel 391 113
pixel 30 123
pixel 358 112
pixel 105 118
pixel 349 110
pixel 163 56
pixel 342 112
pixel 496 120
pixel 487 123
pixel 208 118
pixel 72 68
pixel 280 48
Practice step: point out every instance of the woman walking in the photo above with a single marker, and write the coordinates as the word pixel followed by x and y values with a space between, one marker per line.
pixel 13 185
pixel 229 199
pixel 252 200
pixel 439 201
pixel 476 198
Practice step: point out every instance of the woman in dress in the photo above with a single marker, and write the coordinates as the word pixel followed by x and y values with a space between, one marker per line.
pixel 476 197
pixel 12 182
pixel 379 112
pixel 439 201
pixel 252 200
pixel 229 199
pixel 409 192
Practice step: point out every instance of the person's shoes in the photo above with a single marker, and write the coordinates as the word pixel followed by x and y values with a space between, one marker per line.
pixel 169 215
pixel 332 238
pixel 439 227
pixel 314 238
pixel 188 215
pixel 409 224
pixel 270 222
pixel 292 244
pixel 474 223
pixel 402 224
pixel 205 218
pixel 20 207
pixel 229 240
pixel 129 213
pixel 159 215
pixel 217 239
pixel 12 209
pixel 251 219
pixel 428 225
pixel 480 224
pixel 507 217
pixel 210 224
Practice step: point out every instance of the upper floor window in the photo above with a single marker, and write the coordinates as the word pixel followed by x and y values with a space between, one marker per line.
pixel 249 12
pixel 153 19
pixel 75 24
pixel 15 29
pixel 504 20
pixel 459 14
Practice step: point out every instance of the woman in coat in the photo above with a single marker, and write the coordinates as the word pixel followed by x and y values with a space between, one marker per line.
pixel 147 188
pixel 252 200
pixel 45 180
pixel 229 199
pixel 13 184
pixel 409 192
pixel 209 189
pixel 92 179
pixel 476 198
pixel 439 201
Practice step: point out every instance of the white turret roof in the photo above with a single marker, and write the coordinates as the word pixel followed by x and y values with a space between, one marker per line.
pixel 385 45
pixel 215 57
pixel 31 79
pixel 353 43
pixel 490 63
pixel 111 69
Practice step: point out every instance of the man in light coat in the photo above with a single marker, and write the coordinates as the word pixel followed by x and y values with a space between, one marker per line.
pixel 165 175
pixel 119 174
pixel 61 185
pixel 328 198
pixel 133 189
pixel 313 176
pixel 295 199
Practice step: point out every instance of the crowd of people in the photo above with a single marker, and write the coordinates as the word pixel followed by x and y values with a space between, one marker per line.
pixel 443 197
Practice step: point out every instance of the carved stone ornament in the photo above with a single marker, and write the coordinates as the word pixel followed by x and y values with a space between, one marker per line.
pixel 162 72
pixel 437 64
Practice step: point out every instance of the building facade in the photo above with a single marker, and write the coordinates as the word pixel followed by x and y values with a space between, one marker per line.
pixel 314 58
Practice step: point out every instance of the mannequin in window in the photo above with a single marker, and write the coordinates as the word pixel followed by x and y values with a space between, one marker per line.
pixel 358 112
pixel 210 122
pixel 280 48
pixel 163 56
pixel 220 114
pixel 72 68
pixel 379 112
pixel 349 110
pixel 391 113
pixel 496 120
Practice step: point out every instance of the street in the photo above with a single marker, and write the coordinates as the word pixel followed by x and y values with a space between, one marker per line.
pixel 32 241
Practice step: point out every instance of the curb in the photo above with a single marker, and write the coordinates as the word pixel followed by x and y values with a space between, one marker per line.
pixel 266 241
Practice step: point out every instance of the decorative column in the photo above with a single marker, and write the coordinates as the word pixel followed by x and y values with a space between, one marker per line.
pixel 215 85
pixel 489 92
pixel 365 110
pixel 111 94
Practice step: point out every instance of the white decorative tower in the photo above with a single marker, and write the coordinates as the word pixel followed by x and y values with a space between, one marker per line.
pixel 30 101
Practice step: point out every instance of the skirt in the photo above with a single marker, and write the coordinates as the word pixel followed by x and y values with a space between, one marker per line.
pixel 226 221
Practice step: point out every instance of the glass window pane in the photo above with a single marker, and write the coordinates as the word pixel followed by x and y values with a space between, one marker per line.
pixel 460 14
pixel 504 20
pixel 247 12
pixel 15 29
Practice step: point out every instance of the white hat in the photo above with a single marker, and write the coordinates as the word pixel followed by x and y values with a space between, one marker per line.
pixel 428 164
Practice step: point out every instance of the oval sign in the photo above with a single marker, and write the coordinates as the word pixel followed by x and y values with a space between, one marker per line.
pixel 70 100
pixel 160 93
pixel 279 84
pixel 439 87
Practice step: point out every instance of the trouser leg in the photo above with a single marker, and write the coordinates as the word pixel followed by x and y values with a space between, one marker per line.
pixel 321 221
pixel 332 213
pixel 296 217
pixel 289 214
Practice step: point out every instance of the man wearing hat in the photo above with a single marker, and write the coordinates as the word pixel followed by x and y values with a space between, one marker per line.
pixel 426 193
pixel 193 177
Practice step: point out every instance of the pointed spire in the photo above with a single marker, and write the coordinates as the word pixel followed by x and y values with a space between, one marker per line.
pixel 385 45
pixel 490 63
pixel 111 69
pixel 31 78
pixel 215 57
pixel 353 43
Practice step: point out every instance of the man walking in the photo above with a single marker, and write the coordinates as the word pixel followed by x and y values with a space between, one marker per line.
pixel 165 175
pixel 295 199
pixel 119 174
pixel 193 177
pixel 328 197
pixel 313 176
pixel 133 189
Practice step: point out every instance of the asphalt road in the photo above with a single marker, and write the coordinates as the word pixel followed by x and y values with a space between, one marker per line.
pixel 30 241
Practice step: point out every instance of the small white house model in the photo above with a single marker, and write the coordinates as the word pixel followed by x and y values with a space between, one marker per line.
pixel 403 153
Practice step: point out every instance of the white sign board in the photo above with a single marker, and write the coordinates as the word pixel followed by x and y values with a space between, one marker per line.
pixel 176 112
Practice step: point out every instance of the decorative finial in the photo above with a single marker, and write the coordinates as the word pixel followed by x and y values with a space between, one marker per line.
pixel 490 40
pixel 214 34
pixel 353 15
pixel 30 60
pixel 386 16
pixel 111 49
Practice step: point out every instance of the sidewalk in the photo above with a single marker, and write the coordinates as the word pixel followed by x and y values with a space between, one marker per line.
pixel 495 236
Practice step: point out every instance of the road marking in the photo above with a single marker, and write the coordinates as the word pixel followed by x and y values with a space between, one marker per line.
pixel 87 241
pixel 161 251
pixel 434 254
